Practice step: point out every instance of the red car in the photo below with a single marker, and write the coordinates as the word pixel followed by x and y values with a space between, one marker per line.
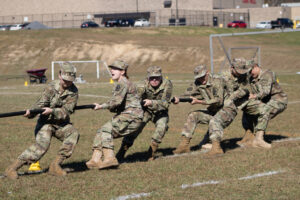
pixel 237 24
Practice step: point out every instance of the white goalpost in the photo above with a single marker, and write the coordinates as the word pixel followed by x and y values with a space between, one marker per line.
pixel 228 52
pixel 97 62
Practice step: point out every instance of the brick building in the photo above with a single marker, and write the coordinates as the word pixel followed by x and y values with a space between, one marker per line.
pixel 71 13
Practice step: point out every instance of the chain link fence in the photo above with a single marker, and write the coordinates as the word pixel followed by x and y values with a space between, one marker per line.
pixel 172 17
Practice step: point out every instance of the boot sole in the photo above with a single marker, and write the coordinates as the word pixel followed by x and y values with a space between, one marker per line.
pixel 108 166
pixel 92 166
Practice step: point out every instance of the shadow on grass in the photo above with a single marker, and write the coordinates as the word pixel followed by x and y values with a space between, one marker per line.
pixel 270 138
pixel 143 156
pixel 227 145
pixel 30 173
pixel 231 143
pixel 69 167
pixel 75 167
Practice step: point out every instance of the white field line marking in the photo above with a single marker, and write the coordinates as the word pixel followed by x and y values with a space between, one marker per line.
pixel 132 196
pixel 212 182
pixel 261 175
pixel 37 93
pixel 184 186
pixel 293 102
pixel 287 140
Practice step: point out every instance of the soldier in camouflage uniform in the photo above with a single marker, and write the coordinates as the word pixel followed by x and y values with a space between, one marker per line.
pixel 211 91
pixel 156 95
pixel 59 100
pixel 264 88
pixel 126 103
pixel 238 89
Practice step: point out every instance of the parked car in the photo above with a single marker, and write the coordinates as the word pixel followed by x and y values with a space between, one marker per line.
pixel 237 24
pixel 2 28
pixel 127 22
pixel 282 23
pixel 89 24
pixel 119 23
pixel 5 27
pixel 112 23
pixel 141 22
pixel 298 25
pixel 264 25
pixel 16 27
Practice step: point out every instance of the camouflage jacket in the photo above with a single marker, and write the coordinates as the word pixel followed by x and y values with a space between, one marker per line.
pixel 238 88
pixel 213 92
pixel 63 104
pixel 125 99
pixel 266 87
pixel 161 97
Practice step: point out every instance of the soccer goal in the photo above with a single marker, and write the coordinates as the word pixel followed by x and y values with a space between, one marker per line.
pixel 237 46
pixel 90 70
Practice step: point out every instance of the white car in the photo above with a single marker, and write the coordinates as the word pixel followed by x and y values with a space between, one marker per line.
pixel 264 25
pixel 141 22
pixel 16 27
pixel 298 25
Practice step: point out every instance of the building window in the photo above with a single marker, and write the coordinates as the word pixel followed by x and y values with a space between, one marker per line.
pixel 167 4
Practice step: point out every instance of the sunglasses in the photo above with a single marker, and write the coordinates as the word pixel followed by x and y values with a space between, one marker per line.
pixel 154 78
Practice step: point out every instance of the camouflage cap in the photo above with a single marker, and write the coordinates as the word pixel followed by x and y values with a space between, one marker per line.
pixel 200 71
pixel 119 64
pixel 154 71
pixel 68 71
pixel 241 65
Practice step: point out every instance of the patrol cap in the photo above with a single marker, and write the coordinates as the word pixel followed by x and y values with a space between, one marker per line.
pixel 200 71
pixel 154 71
pixel 241 65
pixel 68 71
pixel 119 64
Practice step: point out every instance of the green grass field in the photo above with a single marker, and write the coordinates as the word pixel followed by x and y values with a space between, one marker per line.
pixel 241 173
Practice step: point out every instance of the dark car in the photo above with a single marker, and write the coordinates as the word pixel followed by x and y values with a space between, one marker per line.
pixel 113 23
pixel 119 23
pixel 237 24
pixel 127 22
pixel 282 23
pixel 5 27
pixel 89 24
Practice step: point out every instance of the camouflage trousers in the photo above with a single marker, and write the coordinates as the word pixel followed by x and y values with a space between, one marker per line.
pixel 120 126
pixel 161 127
pixel 259 121
pixel 194 118
pixel 221 120
pixel 43 134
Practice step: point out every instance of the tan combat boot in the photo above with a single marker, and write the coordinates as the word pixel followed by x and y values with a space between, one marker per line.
pixel 152 150
pixel 247 138
pixel 55 168
pixel 216 149
pixel 11 171
pixel 184 145
pixel 122 151
pixel 259 141
pixel 109 159
pixel 95 161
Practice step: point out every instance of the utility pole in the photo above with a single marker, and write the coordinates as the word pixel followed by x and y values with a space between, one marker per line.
pixel 176 11
pixel 137 6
